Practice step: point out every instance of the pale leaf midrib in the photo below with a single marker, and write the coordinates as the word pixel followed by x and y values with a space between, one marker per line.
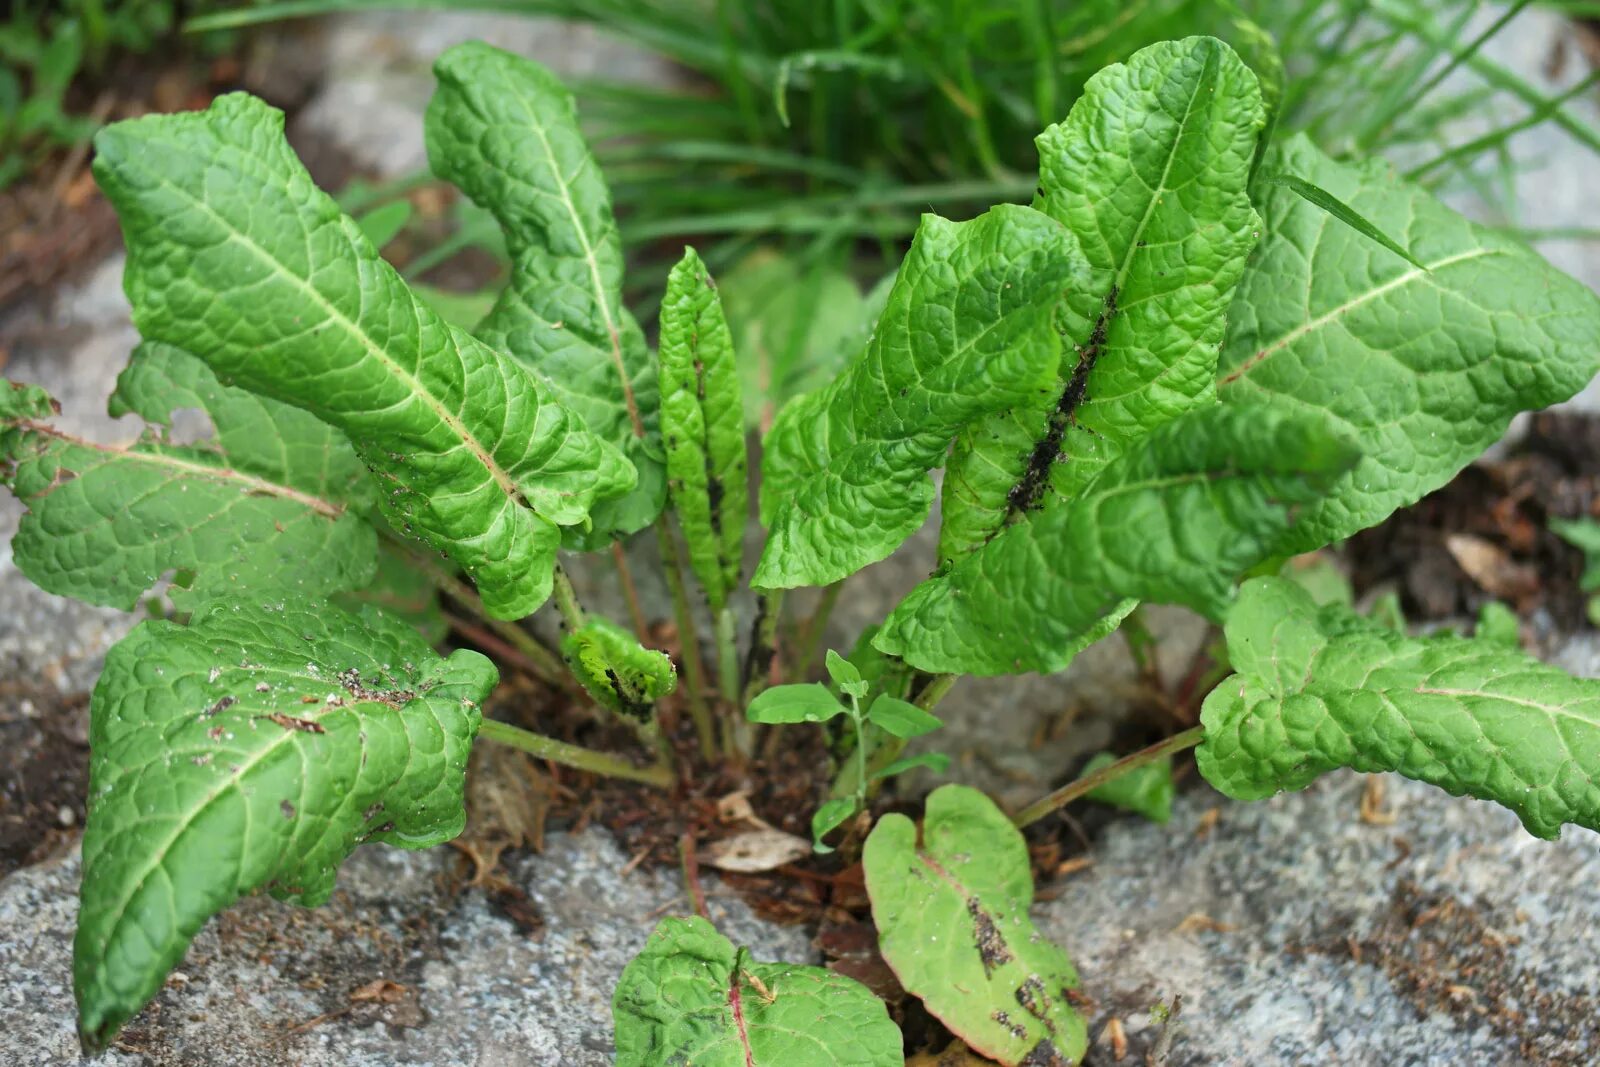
pixel 1336 313
pixel 351 329
pixel 613 331
pixel 251 483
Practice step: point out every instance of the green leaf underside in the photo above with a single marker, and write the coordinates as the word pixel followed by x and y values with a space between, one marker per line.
pixel 792 326
pixel 901 718
pixel 966 331
pixel 952 918
pixel 784 704
pixel 1146 790
pixel 236 256
pixel 1150 172
pixel 403 590
pixel 702 426
pixel 1424 367
pixel 616 670
pixel 1319 689
pixel 691 997
pixel 271 502
pixel 1176 520
pixel 253 749
pixel 504 130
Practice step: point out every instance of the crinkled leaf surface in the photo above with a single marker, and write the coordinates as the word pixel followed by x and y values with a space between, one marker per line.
pixel 966 331
pixel 271 501
pixel 1424 367
pixel 616 670
pixel 691 997
pixel 1319 689
pixel 1176 520
pixel 254 749
pixel 702 426
pixel 1150 171
pixel 952 918
pixel 236 256
pixel 504 130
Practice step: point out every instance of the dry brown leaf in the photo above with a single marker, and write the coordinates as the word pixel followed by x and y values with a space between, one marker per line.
pixel 1118 1037
pixel 380 991
pixel 755 850
pixel 508 798
pixel 1492 567
pixel 735 808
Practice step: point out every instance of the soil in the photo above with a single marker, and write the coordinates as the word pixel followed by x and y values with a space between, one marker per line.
pixel 1449 957
pixel 54 224
pixel 44 770
pixel 1485 536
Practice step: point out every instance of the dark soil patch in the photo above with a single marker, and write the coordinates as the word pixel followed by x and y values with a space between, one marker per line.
pixel 1446 956
pixel 44 770
pixel 55 225
pixel 1485 536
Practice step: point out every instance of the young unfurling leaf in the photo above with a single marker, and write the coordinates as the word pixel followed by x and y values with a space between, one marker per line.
pixel 702 425
pixel 254 748
pixel 616 670
pixel 691 997
pixel 1318 689
pixel 952 917
pixel 1176 520
pixel 271 501
pixel 966 331
pixel 503 129
pixel 1425 366
pixel 1150 172
pixel 235 255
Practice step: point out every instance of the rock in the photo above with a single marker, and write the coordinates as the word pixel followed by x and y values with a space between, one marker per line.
pixel 1296 932
pixel 397 969
pixel 371 108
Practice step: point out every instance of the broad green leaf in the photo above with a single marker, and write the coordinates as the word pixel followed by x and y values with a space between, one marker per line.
pixel 1176 520
pixel 901 718
pixel 1146 790
pixel 616 670
pixel 272 500
pixel 1150 171
pixel 937 762
pixel 504 130
pixel 691 997
pixel 1320 197
pixel 810 702
pixel 952 918
pixel 254 748
pixel 403 590
pixel 793 326
pixel 236 256
pixel 1322 689
pixel 702 425
pixel 966 331
pixel 1425 368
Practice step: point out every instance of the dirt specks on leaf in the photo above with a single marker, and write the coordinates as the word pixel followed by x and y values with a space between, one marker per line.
pixel 991 943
